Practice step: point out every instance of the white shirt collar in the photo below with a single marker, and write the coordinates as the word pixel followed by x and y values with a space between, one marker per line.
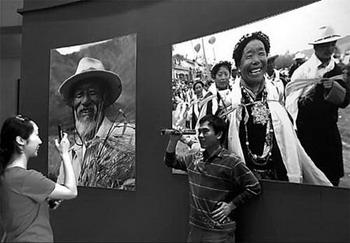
pixel 317 63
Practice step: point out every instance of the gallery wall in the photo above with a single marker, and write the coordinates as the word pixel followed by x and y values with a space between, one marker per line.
pixel 158 210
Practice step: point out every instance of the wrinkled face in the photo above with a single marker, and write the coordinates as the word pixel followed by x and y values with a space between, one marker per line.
pixel 207 137
pixel 222 78
pixel 87 99
pixel 253 63
pixel 198 90
pixel 31 147
pixel 325 51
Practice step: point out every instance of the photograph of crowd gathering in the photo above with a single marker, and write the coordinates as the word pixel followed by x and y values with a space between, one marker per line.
pixel 283 91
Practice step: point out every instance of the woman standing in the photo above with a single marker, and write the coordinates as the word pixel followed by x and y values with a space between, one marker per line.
pixel 25 193
pixel 260 130
pixel 196 104
pixel 217 99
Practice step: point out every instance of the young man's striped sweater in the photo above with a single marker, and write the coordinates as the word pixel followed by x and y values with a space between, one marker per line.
pixel 219 177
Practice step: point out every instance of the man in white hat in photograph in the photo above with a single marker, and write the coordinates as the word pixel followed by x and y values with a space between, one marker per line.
pixel 103 153
pixel 318 88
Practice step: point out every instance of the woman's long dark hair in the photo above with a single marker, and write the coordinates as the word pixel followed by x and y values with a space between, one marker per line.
pixel 13 127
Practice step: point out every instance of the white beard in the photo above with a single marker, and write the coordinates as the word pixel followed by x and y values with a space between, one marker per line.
pixel 86 129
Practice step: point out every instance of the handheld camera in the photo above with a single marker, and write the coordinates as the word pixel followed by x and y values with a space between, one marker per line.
pixel 60 132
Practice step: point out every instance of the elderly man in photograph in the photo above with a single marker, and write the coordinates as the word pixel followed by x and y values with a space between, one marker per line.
pixel 103 153
pixel 219 182
pixel 318 88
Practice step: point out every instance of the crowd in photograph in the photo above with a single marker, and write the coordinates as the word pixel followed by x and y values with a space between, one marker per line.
pixel 273 112
pixel 253 122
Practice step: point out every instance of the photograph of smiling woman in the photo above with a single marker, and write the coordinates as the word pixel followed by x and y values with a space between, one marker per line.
pixel 194 59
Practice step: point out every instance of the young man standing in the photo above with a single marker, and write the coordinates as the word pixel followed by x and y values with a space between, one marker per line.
pixel 219 183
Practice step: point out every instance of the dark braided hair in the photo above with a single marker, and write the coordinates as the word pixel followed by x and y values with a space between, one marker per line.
pixel 14 126
pixel 238 50
pixel 217 66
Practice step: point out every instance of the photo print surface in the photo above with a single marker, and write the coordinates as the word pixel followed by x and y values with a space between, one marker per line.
pixel 292 37
pixel 92 97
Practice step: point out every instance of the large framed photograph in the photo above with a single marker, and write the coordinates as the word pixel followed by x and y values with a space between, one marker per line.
pixel 92 97
pixel 292 35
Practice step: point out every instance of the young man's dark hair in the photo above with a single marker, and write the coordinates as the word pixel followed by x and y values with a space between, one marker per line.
pixel 218 125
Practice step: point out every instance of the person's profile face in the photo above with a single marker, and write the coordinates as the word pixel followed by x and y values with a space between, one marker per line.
pixel 222 78
pixel 33 142
pixel 325 51
pixel 253 64
pixel 87 98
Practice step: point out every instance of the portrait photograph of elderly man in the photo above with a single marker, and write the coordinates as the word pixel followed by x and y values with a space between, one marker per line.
pixel 92 98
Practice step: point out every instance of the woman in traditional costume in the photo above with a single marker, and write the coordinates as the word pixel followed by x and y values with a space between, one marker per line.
pixel 217 100
pixel 196 103
pixel 260 129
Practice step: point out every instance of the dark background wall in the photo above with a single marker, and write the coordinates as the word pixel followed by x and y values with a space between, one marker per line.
pixel 158 210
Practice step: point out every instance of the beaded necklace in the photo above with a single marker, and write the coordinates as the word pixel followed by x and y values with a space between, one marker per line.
pixel 261 115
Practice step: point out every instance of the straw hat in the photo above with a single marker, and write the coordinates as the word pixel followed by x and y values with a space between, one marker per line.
pixel 325 34
pixel 92 68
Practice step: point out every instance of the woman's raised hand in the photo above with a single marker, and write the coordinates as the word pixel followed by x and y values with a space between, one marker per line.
pixel 64 145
